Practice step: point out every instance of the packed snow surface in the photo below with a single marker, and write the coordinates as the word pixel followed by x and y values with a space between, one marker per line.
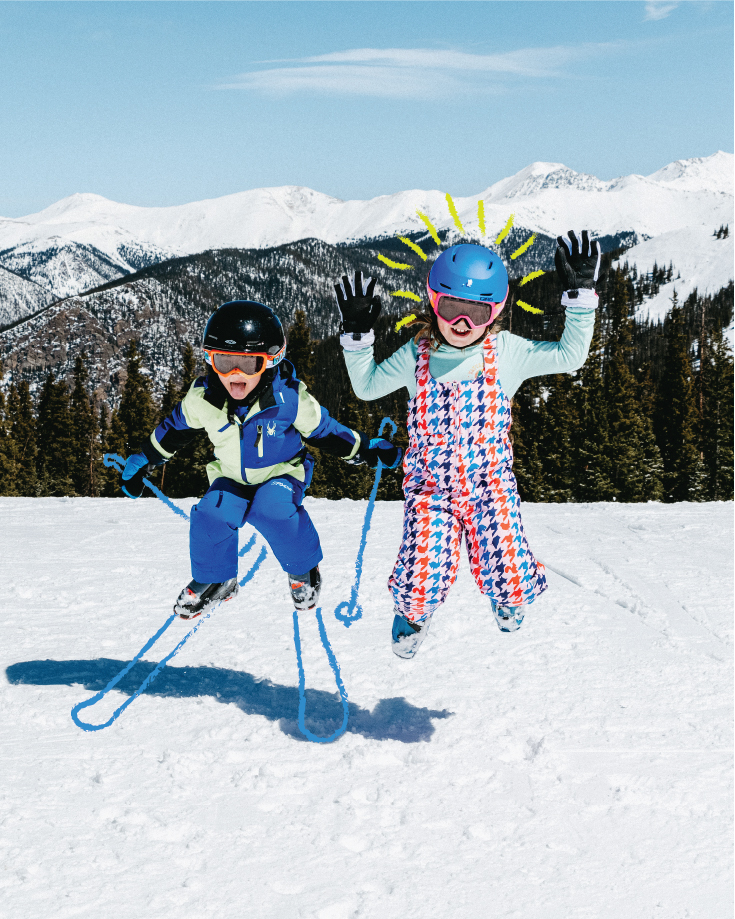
pixel 577 769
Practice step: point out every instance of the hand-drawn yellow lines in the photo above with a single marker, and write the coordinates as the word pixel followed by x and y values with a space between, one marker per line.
pixel 527 307
pixel 528 277
pixel 414 247
pixel 405 321
pixel 455 215
pixel 504 232
pixel 481 215
pixel 431 228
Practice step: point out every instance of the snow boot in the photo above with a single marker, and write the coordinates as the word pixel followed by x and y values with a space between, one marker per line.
pixel 509 618
pixel 196 597
pixel 407 636
pixel 305 588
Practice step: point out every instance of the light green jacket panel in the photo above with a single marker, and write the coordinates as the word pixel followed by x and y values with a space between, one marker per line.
pixel 518 359
pixel 225 437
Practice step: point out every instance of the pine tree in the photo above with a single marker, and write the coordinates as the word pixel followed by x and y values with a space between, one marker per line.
pixel 7 450
pixel 677 415
pixel 170 398
pixel 22 421
pixel 137 412
pixel 85 433
pixel 189 370
pixel 114 442
pixel 107 478
pixel 717 418
pixel 558 437
pixel 527 406
pixel 56 446
pixel 635 471
pixel 300 351
pixel 593 444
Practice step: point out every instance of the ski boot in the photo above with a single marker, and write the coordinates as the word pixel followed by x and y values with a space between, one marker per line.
pixel 509 618
pixel 196 597
pixel 305 588
pixel 407 635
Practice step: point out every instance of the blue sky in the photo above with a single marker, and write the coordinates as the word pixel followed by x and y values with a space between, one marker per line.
pixel 164 103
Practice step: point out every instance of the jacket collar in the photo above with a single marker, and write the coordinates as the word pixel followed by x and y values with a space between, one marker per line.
pixel 263 396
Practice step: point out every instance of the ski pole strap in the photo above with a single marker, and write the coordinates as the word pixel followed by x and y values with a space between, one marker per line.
pixel 302 681
pixel 115 461
pixel 86 726
pixel 350 611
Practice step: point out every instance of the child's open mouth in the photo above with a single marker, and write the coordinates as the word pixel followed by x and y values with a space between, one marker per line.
pixel 238 390
pixel 461 331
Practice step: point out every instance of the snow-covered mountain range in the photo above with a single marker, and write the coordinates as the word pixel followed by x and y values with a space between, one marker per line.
pixel 85 240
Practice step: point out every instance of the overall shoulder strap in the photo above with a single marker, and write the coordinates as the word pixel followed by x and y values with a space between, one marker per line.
pixel 422 362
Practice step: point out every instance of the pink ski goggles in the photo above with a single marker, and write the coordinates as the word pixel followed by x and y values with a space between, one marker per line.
pixel 476 313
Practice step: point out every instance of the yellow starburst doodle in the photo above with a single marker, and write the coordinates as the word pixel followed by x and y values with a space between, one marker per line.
pixel 530 277
pixel 405 321
pixel 412 245
pixel 506 229
pixel 453 212
pixel 401 266
pixel 526 245
pixel 527 307
pixel 430 227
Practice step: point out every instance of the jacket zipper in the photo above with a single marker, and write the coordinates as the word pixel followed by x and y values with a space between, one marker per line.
pixel 259 441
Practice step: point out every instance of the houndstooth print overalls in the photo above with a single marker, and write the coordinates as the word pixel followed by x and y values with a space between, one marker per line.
pixel 459 479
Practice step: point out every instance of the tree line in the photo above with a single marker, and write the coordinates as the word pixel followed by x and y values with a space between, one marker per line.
pixel 648 418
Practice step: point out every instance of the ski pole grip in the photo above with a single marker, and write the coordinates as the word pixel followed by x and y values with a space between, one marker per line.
pixel 114 461
pixel 392 424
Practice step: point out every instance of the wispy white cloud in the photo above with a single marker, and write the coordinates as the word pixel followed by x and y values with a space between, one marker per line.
pixel 402 72
pixel 659 9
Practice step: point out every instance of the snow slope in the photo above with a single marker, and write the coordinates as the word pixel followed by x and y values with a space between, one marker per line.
pixel 577 769
pixel 701 259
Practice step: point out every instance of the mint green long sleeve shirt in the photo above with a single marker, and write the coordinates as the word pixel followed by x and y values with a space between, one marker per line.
pixel 518 360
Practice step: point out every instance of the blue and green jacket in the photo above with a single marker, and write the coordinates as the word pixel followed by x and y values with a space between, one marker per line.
pixel 256 440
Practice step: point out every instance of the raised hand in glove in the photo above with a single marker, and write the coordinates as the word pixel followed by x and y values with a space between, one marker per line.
pixel 577 260
pixel 136 469
pixel 377 449
pixel 358 307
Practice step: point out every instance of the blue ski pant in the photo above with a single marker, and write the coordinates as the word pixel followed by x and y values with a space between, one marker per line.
pixel 273 508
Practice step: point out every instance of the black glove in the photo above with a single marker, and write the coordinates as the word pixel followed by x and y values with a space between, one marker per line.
pixel 376 449
pixel 577 260
pixel 358 307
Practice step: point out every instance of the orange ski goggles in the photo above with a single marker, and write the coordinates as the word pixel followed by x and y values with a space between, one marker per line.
pixel 248 363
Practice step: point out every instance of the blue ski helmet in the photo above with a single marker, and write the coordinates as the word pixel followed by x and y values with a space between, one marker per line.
pixel 469 272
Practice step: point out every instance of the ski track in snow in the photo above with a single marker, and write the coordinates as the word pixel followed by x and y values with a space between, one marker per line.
pixel 581 767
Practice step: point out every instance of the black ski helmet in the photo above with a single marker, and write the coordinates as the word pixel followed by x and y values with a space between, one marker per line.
pixel 240 326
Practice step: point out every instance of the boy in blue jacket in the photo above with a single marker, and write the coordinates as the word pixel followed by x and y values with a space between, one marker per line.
pixel 259 417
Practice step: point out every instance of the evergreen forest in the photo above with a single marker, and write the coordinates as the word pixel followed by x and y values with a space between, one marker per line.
pixel 648 418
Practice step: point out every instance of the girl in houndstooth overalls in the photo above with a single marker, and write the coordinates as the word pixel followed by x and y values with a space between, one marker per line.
pixel 459 480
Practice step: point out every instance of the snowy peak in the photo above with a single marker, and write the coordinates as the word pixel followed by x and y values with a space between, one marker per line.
pixel 539 177
pixel 699 173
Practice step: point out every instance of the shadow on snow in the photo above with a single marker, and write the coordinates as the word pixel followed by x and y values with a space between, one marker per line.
pixel 391 719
